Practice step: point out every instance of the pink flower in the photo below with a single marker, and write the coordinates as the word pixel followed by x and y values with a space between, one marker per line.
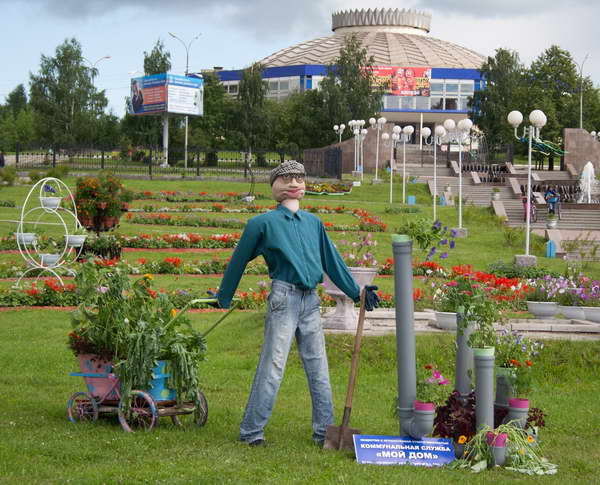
pixel 444 382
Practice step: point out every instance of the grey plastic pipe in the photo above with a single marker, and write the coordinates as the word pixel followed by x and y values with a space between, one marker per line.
pixel 414 423
pixel 464 359
pixel 484 390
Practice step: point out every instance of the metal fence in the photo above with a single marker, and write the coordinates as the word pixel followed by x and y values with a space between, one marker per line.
pixel 150 162
pixel 323 162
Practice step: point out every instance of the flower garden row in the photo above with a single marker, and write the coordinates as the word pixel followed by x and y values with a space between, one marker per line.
pixel 367 222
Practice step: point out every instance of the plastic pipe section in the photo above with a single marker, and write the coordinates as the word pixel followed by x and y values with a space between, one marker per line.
pixel 484 389
pixel 414 423
pixel 464 359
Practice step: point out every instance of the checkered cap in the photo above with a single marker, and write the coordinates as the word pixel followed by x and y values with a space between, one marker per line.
pixel 289 167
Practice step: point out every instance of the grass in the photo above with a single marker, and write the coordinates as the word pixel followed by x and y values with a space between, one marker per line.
pixel 39 445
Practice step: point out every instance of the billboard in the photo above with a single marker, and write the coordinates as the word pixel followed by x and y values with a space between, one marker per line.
pixel 402 81
pixel 166 93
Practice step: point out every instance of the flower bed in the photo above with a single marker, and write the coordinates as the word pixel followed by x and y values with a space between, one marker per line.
pixel 176 196
pixel 328 189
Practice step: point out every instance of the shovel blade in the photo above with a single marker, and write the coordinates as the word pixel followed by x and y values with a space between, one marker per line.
pixel 339 438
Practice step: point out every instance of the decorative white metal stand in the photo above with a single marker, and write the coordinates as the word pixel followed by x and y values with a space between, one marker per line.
pixel 27 242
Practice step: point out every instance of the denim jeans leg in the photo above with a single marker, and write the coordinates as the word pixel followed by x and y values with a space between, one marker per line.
pixel 311 347
pixel 280 325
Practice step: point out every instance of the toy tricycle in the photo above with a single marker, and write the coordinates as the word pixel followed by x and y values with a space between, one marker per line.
pixel 104 397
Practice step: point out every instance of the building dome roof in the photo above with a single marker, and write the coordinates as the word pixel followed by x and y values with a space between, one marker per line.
pixel 393 37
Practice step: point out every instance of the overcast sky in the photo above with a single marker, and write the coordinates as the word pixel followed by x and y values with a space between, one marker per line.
pixel 236 33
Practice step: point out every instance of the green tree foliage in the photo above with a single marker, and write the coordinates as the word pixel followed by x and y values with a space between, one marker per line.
pixel 16 101
pixel 347 90
pixel 210 131
pixel 63 98
pixel 505 91
pixel 158 60
pixel 251 98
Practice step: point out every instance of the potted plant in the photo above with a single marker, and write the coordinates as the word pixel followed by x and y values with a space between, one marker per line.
pixel 363 267
pixel 47 200
pixel 26 238
pixel 49 252
pixel 514 353
pixel 455 419
pixel 133 328
pixel 432 387
pixel 552 221
pixel 590 298
pixel 570 303
pixel 77 239
pixel 540 300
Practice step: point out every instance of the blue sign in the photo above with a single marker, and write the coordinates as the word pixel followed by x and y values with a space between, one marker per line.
pixel 402 450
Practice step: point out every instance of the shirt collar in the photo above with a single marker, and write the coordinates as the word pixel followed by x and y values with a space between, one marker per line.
pixel 288 213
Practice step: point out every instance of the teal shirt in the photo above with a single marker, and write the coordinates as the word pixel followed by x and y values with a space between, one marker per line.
pixel 296 248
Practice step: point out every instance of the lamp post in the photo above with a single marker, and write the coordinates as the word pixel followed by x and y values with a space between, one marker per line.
pixel 459 133
pixel 407 132
pixel 187 57
pixel 537 120
pixel 356 128
pixel 581 90
pixel 93 73
pixel 595 135
pixel 392 141
pixel 339 129
pixel 361 138
pixel 436 139
pixel 378 125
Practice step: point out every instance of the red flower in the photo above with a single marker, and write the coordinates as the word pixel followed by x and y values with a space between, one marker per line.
pixel 529 363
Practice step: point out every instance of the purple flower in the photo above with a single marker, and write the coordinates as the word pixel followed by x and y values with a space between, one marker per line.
pixel 443 255
pixel 437 224
pixel 452 244
pixel 453 233
pixel 102 289
pixel 443 241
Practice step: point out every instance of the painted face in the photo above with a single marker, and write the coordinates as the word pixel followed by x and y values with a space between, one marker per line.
pixel 288 187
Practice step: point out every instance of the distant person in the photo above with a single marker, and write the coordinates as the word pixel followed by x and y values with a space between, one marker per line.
pixel 552 198
pixel 2 161
pixel 137 98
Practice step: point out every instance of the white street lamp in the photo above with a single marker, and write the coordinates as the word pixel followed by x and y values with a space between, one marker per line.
pixel 187 57
pixel 339 130
pixel 407 132
pixel 392 141
pixel 436 140
pixel 459 134
pixel 537 120
pixel 378 125
pixel 363 135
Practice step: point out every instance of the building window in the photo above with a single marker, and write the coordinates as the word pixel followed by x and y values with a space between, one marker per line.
pixel 273 86
pixel 422 102
pixel 437 87
pixel 451 104
pixel 452 88
pixel 464 102
pixel 284 85
pixel 437 102
pixel 407 102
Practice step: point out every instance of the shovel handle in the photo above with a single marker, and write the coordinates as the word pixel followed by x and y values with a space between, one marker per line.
pixel 354 363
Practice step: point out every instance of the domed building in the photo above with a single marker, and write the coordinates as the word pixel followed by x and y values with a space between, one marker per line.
pixel 426 80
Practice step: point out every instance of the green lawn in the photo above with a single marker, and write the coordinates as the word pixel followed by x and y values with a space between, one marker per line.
pixel 39 445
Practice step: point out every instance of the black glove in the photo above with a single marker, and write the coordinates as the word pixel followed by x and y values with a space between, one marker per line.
pixel 371 298
pixel 212 294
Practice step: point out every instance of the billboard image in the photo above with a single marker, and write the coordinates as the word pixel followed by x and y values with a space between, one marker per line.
pixel 166 93
pixel 402 81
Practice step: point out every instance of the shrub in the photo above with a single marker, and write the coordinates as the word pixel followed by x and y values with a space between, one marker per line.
pixel 8 175
pixel 59 172
pixel 510 270
pixel 34 176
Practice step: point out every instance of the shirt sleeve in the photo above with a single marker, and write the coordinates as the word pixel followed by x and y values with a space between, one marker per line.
pixel 336 269
pixel 245 251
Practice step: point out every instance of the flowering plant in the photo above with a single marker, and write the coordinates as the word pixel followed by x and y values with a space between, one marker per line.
pixel 513 347
pixel 135 326
pixel 357 252
pixel 427 236
pixel 432 386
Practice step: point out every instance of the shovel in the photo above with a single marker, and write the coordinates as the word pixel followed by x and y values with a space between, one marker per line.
pixel 340 437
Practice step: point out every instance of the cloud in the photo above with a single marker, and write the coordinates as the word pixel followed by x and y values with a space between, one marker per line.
pixel 264 18
pixel 499 9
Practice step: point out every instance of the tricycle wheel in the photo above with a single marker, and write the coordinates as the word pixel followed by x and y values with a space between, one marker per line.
pixel 141 415
pixel 202 413
pixel 82 406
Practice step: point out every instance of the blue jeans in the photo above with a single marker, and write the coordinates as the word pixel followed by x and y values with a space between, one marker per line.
pixel 292 312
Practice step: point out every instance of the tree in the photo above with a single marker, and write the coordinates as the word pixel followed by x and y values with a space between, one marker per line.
pixel 347 90
pixel 63 98
pixel 251 99
pixel 158 60
pixel 505 91
pixel 16 101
